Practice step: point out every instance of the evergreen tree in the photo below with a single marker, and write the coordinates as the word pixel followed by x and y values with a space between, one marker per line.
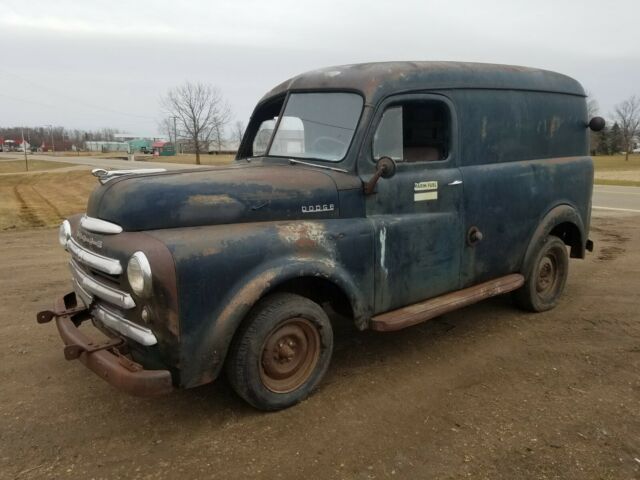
pixel 615 139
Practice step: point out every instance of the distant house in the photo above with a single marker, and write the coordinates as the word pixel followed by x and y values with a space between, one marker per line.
pixel 140 145
pixel 164 149
pixel 60 146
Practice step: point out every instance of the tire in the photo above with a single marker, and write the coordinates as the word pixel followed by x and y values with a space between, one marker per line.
pixel 545 278
pixel 281 351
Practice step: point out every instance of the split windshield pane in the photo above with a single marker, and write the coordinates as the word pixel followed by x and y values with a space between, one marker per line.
pixel 317 125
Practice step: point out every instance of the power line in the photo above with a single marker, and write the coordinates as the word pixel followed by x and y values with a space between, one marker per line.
pixel 75 100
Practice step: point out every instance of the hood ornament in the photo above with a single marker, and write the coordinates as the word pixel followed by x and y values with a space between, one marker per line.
pixel 104 176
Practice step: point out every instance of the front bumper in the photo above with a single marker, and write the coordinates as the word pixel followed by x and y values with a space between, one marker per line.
pixel 104 359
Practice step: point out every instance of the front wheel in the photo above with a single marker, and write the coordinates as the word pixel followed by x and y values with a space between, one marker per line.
pixel 546 277
pixel 281 352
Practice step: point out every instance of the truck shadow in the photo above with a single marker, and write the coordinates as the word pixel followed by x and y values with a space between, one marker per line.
pixel 356 354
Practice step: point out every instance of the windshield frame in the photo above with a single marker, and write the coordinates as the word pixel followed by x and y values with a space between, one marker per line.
pixel 281 116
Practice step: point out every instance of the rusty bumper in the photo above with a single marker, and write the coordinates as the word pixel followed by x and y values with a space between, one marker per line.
pixel 104 359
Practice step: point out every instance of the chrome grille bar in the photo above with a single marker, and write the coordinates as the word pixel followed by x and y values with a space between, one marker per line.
pixel 99 262
pixel 111 319
pixel 99 226
pixel 99 289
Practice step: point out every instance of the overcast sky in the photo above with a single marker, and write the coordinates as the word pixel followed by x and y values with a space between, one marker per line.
pixel 97 63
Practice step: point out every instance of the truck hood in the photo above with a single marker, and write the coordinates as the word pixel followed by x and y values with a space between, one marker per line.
pixel 235 194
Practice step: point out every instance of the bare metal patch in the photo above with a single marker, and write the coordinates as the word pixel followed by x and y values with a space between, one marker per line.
pixel 210 199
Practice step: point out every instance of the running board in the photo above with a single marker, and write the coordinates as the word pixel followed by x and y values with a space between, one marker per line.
pixel 434 307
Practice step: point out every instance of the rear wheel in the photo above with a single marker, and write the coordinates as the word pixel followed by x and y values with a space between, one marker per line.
pixel 546 277
pixel 281 352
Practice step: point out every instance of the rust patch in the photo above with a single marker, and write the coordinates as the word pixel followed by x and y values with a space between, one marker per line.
pixel 304 235
pixel 210 200
pixel 210 251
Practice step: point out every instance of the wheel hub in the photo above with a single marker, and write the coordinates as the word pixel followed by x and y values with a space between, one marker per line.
pixel 547 274
pixel 289 355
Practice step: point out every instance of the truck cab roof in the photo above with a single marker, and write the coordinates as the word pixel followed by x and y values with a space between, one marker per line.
pixel 380 79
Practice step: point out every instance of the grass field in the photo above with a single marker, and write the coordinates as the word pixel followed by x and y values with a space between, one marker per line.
pixel 17 166
pixel 615 170
pixel 190 158
pixel 186 158
pixel 42 199
pixel 45 198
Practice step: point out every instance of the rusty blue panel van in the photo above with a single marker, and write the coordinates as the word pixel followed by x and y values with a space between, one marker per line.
pixel 390 193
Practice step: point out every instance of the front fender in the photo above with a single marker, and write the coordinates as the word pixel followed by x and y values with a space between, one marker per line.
pixel 214 343
pixel 223 270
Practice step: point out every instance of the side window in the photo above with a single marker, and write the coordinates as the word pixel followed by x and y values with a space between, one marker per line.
pixel 416 131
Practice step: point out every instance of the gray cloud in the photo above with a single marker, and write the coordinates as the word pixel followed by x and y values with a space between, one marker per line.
pixel 89 64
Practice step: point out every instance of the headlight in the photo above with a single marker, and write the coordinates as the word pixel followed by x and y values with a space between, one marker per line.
pixel 139 274
pixel 64 233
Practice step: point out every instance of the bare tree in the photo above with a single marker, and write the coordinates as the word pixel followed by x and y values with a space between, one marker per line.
pixel 237 132
pixel 165 127
pixel 592 106
pixel 592 110
pixel 200 111
pixel 627 115
pixel 219 123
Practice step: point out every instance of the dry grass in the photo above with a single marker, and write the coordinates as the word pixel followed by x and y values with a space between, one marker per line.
pixel 615 170
pixel 37 200
pixel 87 154
pixel 616 162
pixel 187 158
pixel 190 158
pixel 17 166
pixel 44 199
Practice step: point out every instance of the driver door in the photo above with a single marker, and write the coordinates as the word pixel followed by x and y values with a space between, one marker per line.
pixel 416 213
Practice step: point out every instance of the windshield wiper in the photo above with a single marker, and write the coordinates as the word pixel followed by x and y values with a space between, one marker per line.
pixel 292 160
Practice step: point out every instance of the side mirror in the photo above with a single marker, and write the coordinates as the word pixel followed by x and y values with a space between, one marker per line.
pixel 385 168
pixel 596 124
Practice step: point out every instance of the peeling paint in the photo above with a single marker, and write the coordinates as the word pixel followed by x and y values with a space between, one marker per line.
pixel 210 199
pixel 383 250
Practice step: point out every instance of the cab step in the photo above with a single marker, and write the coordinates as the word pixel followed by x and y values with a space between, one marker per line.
pixel 434 307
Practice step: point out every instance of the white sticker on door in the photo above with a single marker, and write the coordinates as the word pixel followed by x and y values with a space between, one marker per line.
pixel 425 191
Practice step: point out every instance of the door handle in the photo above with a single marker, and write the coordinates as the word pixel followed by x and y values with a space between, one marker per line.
pixel 455 182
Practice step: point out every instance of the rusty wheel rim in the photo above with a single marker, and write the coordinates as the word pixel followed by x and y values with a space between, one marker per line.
pixel 547 274
pixel 289 355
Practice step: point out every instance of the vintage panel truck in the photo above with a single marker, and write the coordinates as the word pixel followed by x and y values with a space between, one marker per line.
pixel 390 193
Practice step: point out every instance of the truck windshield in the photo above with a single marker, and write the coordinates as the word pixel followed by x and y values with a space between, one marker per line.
pixel 313 125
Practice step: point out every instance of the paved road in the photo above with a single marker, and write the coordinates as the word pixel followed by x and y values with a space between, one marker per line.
pixel 614 198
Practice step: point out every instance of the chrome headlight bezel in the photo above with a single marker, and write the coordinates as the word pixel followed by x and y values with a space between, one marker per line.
pixel 139 274
pixel 64 233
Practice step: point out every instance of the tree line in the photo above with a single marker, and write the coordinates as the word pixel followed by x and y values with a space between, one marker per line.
pixel 622 133
pixel 60 137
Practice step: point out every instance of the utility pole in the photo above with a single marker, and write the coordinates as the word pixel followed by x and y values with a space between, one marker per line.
pixel 175 136
pixel 24 149
pixel 53 146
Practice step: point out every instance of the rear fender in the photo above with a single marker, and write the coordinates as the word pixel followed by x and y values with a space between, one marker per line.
pixel 556 216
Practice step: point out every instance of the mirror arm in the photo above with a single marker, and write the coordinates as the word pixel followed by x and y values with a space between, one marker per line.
pixel 370 186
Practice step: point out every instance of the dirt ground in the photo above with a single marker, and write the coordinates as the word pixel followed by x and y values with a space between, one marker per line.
pixel 486 392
